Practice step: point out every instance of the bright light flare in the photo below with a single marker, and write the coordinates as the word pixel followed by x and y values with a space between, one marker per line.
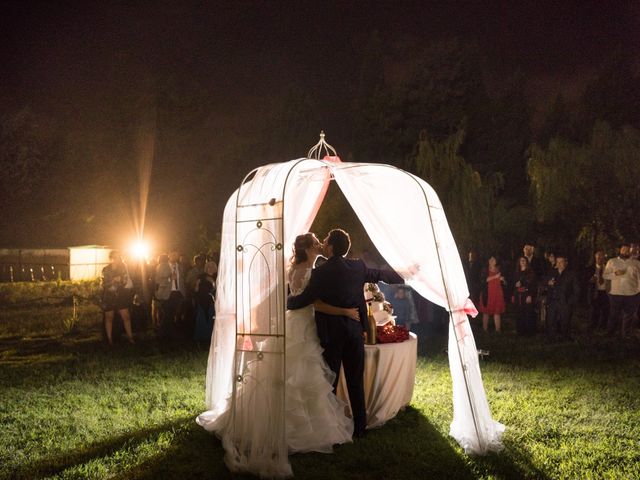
pixel 140 250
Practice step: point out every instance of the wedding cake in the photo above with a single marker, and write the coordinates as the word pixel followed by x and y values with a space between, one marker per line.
pixel 378 306
pixel 383 328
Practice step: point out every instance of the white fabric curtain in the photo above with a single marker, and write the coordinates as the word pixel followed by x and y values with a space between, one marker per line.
pixel 404 219
pixel 261 220
pixel 307 185
pixel 221 352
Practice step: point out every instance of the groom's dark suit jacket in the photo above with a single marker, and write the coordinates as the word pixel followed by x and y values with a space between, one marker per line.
pixel 340 281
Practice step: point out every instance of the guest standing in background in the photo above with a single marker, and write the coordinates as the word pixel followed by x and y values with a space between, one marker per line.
pixel 204 306
pixel 211 268
pixel 473 272
pixel 535 263
pixel 492 295
pixel 598 296
pixel 162 280
pixel 192 279
pixel 403 306
pixel 194 273
pixel 634 254
pixel 170 277
pixel 550 264
pixel 624 296
pixel 563 295
pixel 524 295
pixel 117 295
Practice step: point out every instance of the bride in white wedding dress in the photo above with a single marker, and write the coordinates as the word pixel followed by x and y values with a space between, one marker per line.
pixel 315 418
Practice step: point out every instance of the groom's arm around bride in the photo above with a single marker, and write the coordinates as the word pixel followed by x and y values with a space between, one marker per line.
pixel 339 281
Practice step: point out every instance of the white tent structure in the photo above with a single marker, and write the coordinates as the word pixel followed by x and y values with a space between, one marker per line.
pixel 405 221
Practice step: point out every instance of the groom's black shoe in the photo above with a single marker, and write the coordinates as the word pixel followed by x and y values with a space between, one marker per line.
pixel 359 434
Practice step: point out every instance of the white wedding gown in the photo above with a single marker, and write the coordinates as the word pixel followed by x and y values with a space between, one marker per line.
pixel 315 418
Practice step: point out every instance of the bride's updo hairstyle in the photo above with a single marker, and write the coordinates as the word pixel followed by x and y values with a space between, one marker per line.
pixel 299 246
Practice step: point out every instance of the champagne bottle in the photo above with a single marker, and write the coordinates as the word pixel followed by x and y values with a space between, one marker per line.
pixel 371 334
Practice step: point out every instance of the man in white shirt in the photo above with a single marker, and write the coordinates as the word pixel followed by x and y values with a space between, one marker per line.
pixel 624 295
pixel 171 291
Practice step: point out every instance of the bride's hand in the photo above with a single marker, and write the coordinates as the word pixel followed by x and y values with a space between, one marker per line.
pixel 352 313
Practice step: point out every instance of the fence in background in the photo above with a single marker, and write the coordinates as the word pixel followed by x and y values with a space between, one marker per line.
pixel 47 264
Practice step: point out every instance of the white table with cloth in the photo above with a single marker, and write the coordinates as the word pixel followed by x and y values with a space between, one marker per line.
pixel 389 376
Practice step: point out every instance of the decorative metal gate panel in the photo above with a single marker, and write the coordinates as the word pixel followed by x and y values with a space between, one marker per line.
pixel 258 401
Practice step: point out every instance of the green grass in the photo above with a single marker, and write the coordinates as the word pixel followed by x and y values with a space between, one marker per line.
pixel 71 408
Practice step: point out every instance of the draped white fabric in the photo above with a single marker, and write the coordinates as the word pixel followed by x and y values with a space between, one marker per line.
pixel 404 219
pixel 406 222
pixel 248 339
pixel 306 188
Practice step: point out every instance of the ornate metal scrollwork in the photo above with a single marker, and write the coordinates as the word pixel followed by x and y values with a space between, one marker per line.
pixel 259 224
pixel 260 355
pixel 240 248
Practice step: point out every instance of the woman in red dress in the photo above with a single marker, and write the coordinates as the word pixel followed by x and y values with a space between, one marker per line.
pixel 492 296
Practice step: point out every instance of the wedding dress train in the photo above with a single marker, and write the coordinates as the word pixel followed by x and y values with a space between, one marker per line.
pixel 314 418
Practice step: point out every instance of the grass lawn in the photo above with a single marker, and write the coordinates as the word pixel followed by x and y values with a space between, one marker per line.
pixel 71 408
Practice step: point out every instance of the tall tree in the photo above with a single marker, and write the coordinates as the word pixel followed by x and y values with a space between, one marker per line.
pixel 468 199
pixel 29 153
pixel 499 135
pixel 559 122
pixel 437 90
pixel 590 190
pixel 614 95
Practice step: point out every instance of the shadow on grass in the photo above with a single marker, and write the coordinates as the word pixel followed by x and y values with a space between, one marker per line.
pixel 511 463
pixel 440 457
pixel 17 350
pixel 55 465
pixel 90 342
pixel 194 453
pixel 24 361
pixel 406 447
pixel 586 351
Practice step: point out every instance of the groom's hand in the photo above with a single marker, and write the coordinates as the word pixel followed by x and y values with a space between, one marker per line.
pixel 409 272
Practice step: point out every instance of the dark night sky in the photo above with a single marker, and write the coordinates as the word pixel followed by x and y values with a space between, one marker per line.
pixel 536 35
pixel 72 60
pixel 58 53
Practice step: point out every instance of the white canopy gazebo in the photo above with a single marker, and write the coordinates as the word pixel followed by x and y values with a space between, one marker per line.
pixel 405 221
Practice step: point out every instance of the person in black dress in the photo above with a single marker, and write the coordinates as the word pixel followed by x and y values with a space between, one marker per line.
pixel 524 297
pixel 117 295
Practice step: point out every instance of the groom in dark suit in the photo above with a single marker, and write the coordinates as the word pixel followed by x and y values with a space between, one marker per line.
pixel 340 282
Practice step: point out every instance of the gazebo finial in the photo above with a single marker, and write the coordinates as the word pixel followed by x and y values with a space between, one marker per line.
pixel 316 151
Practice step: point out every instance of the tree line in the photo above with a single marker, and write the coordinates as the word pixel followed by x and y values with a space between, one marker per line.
pixel 448 113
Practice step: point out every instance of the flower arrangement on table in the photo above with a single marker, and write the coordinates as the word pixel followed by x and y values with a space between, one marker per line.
pixel 391 333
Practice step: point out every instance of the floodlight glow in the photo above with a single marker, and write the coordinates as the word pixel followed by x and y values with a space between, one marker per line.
pixel 140 250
